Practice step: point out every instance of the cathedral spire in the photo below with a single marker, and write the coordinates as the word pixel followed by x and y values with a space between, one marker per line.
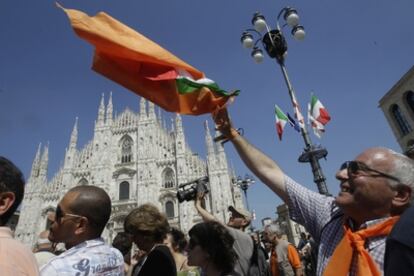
pixel 172 125
pixel 178 124
pixel 101 112
pixel 44 162
pixel 159 116
pixel 36 163
pixel 151 110
pixel 209 140
pixel 74 135
pixel 142 108
pixel 221 155
pixel 109 110
pixel 219 146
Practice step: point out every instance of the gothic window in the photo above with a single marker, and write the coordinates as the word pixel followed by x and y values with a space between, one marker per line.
pixel 126 149
pixel 168 178
pixel 169 209
pixel 410 100
pixel 124 190
pixel 83 182
pixel 399 118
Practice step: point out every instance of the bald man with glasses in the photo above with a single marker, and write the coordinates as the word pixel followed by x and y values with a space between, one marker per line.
pixel 80 218
pixel 352 227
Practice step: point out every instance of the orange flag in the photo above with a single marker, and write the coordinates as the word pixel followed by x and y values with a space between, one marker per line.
pixel 144 67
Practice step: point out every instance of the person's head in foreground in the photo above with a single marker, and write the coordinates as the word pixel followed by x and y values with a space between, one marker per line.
pixel 147 226
pixel 11 189
pixel 81 215
pixel 211 248
pixel 378 183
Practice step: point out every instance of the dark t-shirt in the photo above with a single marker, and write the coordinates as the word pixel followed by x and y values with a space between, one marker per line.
pixel 399 252
pixel 159 262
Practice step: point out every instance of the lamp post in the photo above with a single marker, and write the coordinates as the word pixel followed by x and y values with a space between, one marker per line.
pixel 275 45
pixel 244 184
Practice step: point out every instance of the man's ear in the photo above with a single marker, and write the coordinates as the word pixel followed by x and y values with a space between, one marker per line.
pixel 6 201
pixel 402 196
pixel 246 223
pixel 82 226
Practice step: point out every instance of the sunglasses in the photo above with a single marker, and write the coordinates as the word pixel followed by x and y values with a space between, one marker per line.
pixel 59 215
pixel 353 167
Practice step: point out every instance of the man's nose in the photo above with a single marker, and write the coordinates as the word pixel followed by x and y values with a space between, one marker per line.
pixel 342 174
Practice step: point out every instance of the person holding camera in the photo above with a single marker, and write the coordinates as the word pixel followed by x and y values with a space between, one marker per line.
pixel 238 222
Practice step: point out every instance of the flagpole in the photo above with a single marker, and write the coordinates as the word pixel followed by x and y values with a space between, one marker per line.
pixel 276 47
pixel 311 153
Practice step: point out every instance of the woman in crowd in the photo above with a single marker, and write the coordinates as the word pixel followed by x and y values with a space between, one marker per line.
pixel 177 243
pixel 148 229
pixel 211 248
pixel 123 243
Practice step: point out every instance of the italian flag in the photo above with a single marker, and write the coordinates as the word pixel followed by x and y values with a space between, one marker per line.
pixel 317 127
pixel 281 121
pixel 144 67
pixel 318 111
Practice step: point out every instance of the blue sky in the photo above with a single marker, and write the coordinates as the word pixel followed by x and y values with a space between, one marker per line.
pixel 352 55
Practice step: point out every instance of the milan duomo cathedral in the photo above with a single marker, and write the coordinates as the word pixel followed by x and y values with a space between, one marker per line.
pixel 136 160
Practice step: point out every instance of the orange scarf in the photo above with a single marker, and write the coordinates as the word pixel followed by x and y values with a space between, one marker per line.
pixel 274 269
pixel 354 241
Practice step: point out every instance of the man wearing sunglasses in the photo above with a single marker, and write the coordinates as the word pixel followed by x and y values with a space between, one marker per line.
pixel 15 258
pixel 351 228
pixel 80 218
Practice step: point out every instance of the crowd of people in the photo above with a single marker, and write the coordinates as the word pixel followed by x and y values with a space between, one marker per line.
pixel 367 229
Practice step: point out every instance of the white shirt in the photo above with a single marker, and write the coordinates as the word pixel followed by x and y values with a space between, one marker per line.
pixel 92 257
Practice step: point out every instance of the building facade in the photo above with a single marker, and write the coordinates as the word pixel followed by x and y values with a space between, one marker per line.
pixel 288 226
pixel 398 108
pixel 136 160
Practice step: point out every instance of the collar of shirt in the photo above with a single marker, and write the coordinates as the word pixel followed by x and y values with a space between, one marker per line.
pixel 373 241
pixel 88 244
pixel 366 224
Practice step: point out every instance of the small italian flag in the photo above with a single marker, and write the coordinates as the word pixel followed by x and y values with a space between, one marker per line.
pixel 318 116
pixel 318 111
pixel 281 121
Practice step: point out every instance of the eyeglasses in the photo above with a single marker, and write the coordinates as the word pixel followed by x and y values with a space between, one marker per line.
pixel 59 215
pixel 354 166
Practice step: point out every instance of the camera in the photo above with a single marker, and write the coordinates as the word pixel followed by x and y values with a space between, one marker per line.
pixel 188 191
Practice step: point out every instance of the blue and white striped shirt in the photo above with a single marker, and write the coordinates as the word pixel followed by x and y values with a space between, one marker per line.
pixel 92 257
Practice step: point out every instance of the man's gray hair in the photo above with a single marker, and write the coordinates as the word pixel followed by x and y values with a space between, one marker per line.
pixel 403 169
pixel 274 228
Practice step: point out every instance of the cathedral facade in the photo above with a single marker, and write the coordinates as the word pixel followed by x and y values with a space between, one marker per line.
pixel 136 160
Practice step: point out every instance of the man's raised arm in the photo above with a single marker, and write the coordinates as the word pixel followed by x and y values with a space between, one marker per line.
pixel 259 163
pixel 205 215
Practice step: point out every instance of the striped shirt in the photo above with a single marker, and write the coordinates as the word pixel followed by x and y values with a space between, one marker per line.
pixel 92 257
pixel 323 219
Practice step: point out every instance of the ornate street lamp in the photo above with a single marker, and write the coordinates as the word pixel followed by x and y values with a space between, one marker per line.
pixel 244 184
pixel 274 42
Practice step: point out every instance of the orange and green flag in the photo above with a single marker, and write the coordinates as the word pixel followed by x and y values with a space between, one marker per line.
pixel 144 67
